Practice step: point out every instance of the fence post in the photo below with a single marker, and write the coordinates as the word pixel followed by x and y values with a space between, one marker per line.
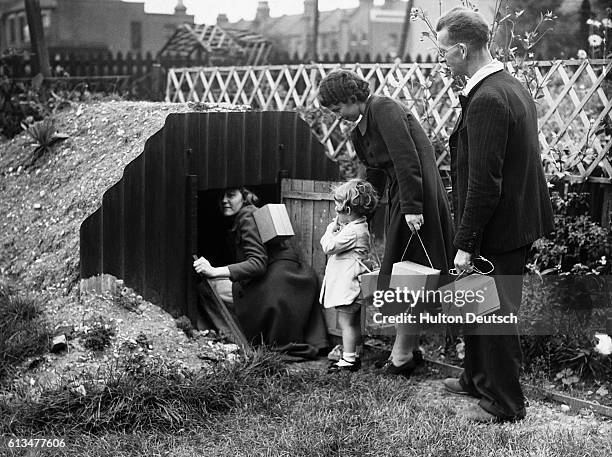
pixel 37 37
pixel 606 207
pixel 156 82
pixel 191 235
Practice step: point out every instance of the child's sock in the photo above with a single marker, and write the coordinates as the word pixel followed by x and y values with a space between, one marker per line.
pixel 349 356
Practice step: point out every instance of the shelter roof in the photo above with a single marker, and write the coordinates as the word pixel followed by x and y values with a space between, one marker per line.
pixel 248 47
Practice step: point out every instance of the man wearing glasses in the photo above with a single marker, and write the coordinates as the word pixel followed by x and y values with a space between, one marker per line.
pixel 500 200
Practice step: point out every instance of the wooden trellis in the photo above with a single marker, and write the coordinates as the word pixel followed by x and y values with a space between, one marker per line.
pixel 218 43
pixel 573 99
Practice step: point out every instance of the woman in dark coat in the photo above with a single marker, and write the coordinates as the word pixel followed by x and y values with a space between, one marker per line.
pixel 399 157
pixel 273 294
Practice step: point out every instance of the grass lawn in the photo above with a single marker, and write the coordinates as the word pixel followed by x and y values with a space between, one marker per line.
pixel 262 408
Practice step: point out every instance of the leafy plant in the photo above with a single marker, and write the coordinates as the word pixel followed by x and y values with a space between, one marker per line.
pixel 577 246
pixel 44 135
pixel 98 337
pixel 567 359
pixel 569 304
pixel 126 298
pixel 567 377
pixel 18 101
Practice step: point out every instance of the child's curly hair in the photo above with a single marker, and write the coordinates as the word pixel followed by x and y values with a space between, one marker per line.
pixel 343 86
pixel 356 195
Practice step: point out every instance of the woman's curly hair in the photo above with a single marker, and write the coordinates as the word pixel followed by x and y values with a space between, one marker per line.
pixel 248 196
pixel 356 195
pixel 343 86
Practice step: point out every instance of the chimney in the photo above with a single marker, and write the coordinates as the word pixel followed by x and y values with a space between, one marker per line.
pixel 263 12
pixel 308 19
pixel 180 8
pixel 261 16
pixel 222 19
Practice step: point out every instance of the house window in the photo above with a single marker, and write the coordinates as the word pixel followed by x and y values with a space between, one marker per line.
pixel 12 32
pixel 46 19
pixel 22 28
pixel 364 39
pixel 136 35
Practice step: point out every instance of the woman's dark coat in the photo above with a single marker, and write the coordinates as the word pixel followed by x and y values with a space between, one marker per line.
pixel 397 152
pixel 275 294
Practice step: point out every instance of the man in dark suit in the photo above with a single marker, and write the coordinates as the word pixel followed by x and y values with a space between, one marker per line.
pixel 500 200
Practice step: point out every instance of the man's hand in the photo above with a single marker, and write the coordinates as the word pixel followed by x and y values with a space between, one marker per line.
pixel 463 262
pixel 414 221
pixel 203 267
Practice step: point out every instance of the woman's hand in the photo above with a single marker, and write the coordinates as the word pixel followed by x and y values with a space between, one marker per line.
pixel 414 221
pixel 203 267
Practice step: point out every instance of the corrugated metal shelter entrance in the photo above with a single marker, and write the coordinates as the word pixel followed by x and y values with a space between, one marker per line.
pixel 147 227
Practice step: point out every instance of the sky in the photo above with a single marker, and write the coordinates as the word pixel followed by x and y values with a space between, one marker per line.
pixel 206 11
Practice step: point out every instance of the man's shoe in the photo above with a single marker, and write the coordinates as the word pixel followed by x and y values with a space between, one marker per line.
pixel 453 386
pixel 475 413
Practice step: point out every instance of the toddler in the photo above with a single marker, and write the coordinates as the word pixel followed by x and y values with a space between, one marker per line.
pixel 347 242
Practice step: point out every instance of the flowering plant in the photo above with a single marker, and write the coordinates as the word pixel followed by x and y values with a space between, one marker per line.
pixel 598 37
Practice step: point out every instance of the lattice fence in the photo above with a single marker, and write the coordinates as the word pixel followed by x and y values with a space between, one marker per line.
pixel 573 97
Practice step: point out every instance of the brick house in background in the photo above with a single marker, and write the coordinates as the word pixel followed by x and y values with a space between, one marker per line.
pixel 83 26
pixel 366 29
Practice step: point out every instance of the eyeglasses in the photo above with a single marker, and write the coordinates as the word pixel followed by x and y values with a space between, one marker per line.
pixel 443 52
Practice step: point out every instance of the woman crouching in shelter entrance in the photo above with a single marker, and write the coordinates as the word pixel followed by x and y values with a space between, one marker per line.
pixel 273 294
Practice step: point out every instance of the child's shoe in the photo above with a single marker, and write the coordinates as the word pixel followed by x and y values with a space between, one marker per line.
pixel 345 365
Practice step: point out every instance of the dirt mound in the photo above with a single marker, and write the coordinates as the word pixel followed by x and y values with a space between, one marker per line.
pixel 43 206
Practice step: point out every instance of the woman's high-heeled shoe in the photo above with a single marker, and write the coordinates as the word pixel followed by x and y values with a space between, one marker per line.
pixel 405 369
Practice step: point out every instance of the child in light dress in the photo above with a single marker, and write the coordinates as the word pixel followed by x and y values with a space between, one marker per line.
pixel 347 243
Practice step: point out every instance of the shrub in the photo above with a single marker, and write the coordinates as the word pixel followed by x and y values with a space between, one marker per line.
pixel 18 102
pixel 126 298
pixel 98 337
pixel 143 394
pixel 571 300
pixel 578 245
pixel 23 333
pixel 566 358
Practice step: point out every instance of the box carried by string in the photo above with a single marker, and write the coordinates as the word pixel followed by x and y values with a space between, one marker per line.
pixel 273 222
pixel 369 281
pixel 411 276
pixel 474 294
